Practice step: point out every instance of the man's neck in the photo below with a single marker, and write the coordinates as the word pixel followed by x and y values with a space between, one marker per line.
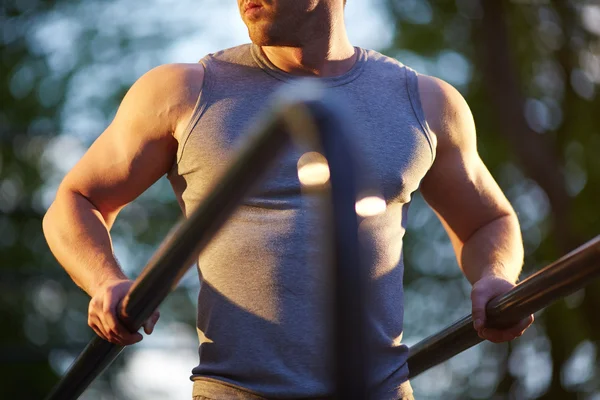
pixel 327 57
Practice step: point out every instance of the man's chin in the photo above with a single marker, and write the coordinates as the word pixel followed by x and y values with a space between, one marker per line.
pixel 260 41
pixel 261 38
pixel 265 34
pixel 271 40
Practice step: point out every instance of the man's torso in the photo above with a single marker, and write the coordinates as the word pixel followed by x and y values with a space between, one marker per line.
pixel 262 311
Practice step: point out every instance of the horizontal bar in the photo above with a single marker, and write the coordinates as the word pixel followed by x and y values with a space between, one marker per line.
pixel 561 278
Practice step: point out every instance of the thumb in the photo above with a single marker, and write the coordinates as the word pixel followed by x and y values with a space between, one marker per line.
pixel 149 324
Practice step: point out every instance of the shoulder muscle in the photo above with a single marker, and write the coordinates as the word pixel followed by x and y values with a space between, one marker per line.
pixel 447 114
pixel 140 144
pixel 162 97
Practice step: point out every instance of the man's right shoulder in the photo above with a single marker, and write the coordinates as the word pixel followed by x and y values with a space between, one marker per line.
pixel 171 80
pixel 166 94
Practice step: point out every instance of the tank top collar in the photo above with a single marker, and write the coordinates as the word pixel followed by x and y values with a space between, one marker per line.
pixel 266 65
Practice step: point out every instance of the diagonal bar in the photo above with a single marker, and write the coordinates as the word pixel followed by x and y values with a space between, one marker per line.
pixel 561 278
pixel 305 116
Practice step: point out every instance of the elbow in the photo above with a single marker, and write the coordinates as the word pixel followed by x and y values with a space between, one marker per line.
pixel 507 218
pixel 512 220
pixel 52 218
pixel 48 223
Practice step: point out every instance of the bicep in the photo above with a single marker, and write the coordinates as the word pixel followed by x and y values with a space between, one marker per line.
pixel 136 149
pixel 458 186
pixel 463 193
pixel 118 167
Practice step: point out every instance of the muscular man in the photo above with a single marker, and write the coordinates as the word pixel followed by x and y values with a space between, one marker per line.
pixel 261 303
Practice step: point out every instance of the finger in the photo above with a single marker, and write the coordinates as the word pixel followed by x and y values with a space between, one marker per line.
pixel 505 335
pixel 108 334
pixel 118 332
pixel 515 330
pixel 94 321
pixel 113 326
pixel 522 326
pixel 103 330
pixel 96 325
pixel 478 301
pixel 497 336
pixel 151 322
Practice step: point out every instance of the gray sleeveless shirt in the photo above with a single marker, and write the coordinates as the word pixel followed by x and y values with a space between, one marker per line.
pixel 262 307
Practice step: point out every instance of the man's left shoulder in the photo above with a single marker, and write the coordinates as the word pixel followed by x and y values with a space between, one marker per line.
pixel 439 94
pixel 446 111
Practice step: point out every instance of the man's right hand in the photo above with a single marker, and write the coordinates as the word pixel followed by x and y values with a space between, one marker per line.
pixel 102 314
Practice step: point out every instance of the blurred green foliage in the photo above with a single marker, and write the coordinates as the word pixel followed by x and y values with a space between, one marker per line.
pixel 529 70
pixel 47 49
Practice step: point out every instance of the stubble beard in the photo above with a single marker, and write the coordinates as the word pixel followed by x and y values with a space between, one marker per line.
pixel 271 33
pixel 287 29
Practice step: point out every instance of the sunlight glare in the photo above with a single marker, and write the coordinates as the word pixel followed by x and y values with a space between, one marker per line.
pixel 313 169
pixel 370 206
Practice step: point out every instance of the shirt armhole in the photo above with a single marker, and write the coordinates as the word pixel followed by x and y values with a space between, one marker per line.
pixel 199 109
pixel 412 87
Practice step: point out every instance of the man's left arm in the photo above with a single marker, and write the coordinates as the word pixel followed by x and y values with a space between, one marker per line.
pixel 482 225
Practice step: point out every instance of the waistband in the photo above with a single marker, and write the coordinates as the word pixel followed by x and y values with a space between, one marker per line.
pixel 217 389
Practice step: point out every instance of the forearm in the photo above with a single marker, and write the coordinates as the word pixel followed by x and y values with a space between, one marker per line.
pixel 494 249
pixel 80 240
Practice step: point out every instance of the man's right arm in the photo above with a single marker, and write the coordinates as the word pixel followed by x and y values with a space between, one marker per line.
pixel 137 148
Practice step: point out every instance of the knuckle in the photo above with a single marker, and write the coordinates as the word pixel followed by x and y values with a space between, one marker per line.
pixel 111 337
pixel 479 297
pixel 106 306
pixel 94 304
pixel 92 316
pixel 125 340
pixel 478 287
pixel 111 323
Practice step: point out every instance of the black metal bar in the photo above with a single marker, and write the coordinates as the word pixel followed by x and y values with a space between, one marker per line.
pixel 174 257
pixel 351 353
pixel 306 118
pixel 561 278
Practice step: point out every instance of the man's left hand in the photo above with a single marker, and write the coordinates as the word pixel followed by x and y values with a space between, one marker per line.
pixel 483 291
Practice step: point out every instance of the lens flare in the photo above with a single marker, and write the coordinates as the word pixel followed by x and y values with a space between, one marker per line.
pixel 313 169
pixel 370 206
